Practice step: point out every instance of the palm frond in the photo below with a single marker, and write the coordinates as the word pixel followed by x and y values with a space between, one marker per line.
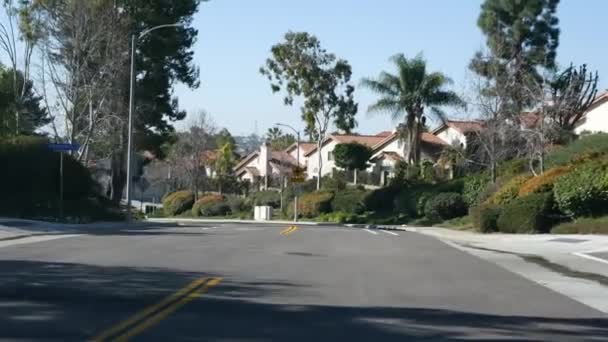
pixel 379 86
pixel 438 113
pixel 386 105
pixel 445 98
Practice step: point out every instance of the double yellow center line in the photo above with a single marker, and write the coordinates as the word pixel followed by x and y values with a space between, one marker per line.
pixel 153 314
pixel 289 230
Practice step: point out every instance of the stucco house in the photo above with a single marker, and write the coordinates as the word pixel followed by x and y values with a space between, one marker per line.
pixel 596 117
pixel 264 165
pixel 303 148
pixel 390 150
pixel 456 131
pixel 327 151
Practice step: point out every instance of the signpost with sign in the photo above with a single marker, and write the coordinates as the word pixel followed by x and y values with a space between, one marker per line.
pixel 62 148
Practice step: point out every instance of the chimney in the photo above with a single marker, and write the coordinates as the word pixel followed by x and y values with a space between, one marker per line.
pixel 264 158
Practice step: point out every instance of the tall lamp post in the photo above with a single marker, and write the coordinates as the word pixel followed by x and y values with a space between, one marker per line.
pixel 295 200
pixel 134 39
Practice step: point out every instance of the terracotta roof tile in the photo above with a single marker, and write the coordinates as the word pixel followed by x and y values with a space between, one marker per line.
pixel 465 126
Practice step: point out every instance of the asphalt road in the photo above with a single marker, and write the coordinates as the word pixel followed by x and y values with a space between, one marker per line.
pixel 269 283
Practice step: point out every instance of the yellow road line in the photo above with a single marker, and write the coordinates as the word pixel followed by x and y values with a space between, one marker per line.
pixel 168 311
pixel 148 311
pixel 289 230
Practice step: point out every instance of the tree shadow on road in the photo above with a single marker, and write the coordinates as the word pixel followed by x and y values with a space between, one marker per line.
pixel 64 301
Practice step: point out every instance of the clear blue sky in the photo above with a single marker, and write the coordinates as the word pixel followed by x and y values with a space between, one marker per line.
pixel 235 38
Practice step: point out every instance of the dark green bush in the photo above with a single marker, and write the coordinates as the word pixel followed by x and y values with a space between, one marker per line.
pixel 215 209
pixel 349 201
pixel 445 206
pixel 531 214
pixel 178 202
pixel 454 185
pixel 485 218
pixel 336 182
pixel 381 200
pixel 584 191
pixel 237 204
pixel 265 198
pixel 338 217
pixel 473 188
pixel 586 225
pixel 312 205
pixel 29 178
pixel 596 144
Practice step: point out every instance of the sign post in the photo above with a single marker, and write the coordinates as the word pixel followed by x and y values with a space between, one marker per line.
pixel 62 148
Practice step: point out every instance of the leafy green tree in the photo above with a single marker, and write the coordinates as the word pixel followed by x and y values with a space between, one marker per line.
pixel 279 140
pixel 32 114
pixel 522 37
pixel 224 137
pixel 408 94
pixel 302 68
pixel 352 156
pixel 224 167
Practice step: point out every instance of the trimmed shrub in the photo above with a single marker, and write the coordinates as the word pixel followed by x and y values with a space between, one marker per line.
pixel 544 182
pixel 585 225
pixel 178 202
pixel 237 204
pixel 337 217
pixel 349 201
pixel 381 200
pixel 584 191
pixel 473 188
pixel 445 206
pixel 508 192
pixel 215 209
pixel 333 183
pixel 265 198
pixel 588 146
pixel 454 185
pixel 530 214
pixel 312 205
pixel 485 218
pixel 29 178
pixel 204 201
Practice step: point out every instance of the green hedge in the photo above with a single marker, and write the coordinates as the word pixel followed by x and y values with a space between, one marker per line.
pixel 312 205
pixel 592 144
pixel 584 191
pixel 507 192
pixel 265 198
pixel 445 206
pixel 215 209
pixel 381 200
pixel 530 214
pixel 178 202
pixel 349 201
pixel 29 178
pixel 474 187
pixel 485 217
pixel 205 201
pixel 586 225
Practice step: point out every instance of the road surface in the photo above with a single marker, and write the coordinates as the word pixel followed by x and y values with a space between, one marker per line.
pixel 273 283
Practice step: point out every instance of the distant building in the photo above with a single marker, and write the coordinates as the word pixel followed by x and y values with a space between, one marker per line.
pixel 595 118
pixel 261 166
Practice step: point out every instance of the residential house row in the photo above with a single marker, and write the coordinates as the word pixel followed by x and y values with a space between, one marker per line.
pixel 387 149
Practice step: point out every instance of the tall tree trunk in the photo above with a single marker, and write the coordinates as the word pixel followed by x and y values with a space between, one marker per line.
pixel 320 160
pixel 355 176
pixel 118 176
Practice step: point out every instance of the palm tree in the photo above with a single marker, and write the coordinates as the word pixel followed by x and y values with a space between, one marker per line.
pixel 407 94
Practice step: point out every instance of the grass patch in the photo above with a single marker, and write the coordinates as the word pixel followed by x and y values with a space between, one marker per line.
pixel 459 223
pixel 587 225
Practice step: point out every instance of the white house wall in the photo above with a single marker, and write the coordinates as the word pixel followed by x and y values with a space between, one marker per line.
pixel 450 135
pixel 596 120
pixel 313 161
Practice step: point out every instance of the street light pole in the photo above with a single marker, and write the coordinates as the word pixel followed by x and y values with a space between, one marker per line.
pixel 134 39
pixel 295 200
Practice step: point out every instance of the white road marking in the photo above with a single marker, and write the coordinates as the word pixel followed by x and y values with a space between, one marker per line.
pixel 591 257
pixel 371 231
pixel 205 228
pixel 33 239
pixel 388 232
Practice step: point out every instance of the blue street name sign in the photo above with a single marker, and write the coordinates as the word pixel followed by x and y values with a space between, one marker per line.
pixel 63 147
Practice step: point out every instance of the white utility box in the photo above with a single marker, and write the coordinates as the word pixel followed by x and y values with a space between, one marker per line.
pixel 262 213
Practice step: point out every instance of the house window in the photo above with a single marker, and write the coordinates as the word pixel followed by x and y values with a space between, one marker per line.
pixel 330 155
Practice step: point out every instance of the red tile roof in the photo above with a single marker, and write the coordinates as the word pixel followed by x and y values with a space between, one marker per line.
pixel 389 155
pixel 368 140
pixel 432 139
pixel 304 146
pixel 384 134
pixel 465 126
